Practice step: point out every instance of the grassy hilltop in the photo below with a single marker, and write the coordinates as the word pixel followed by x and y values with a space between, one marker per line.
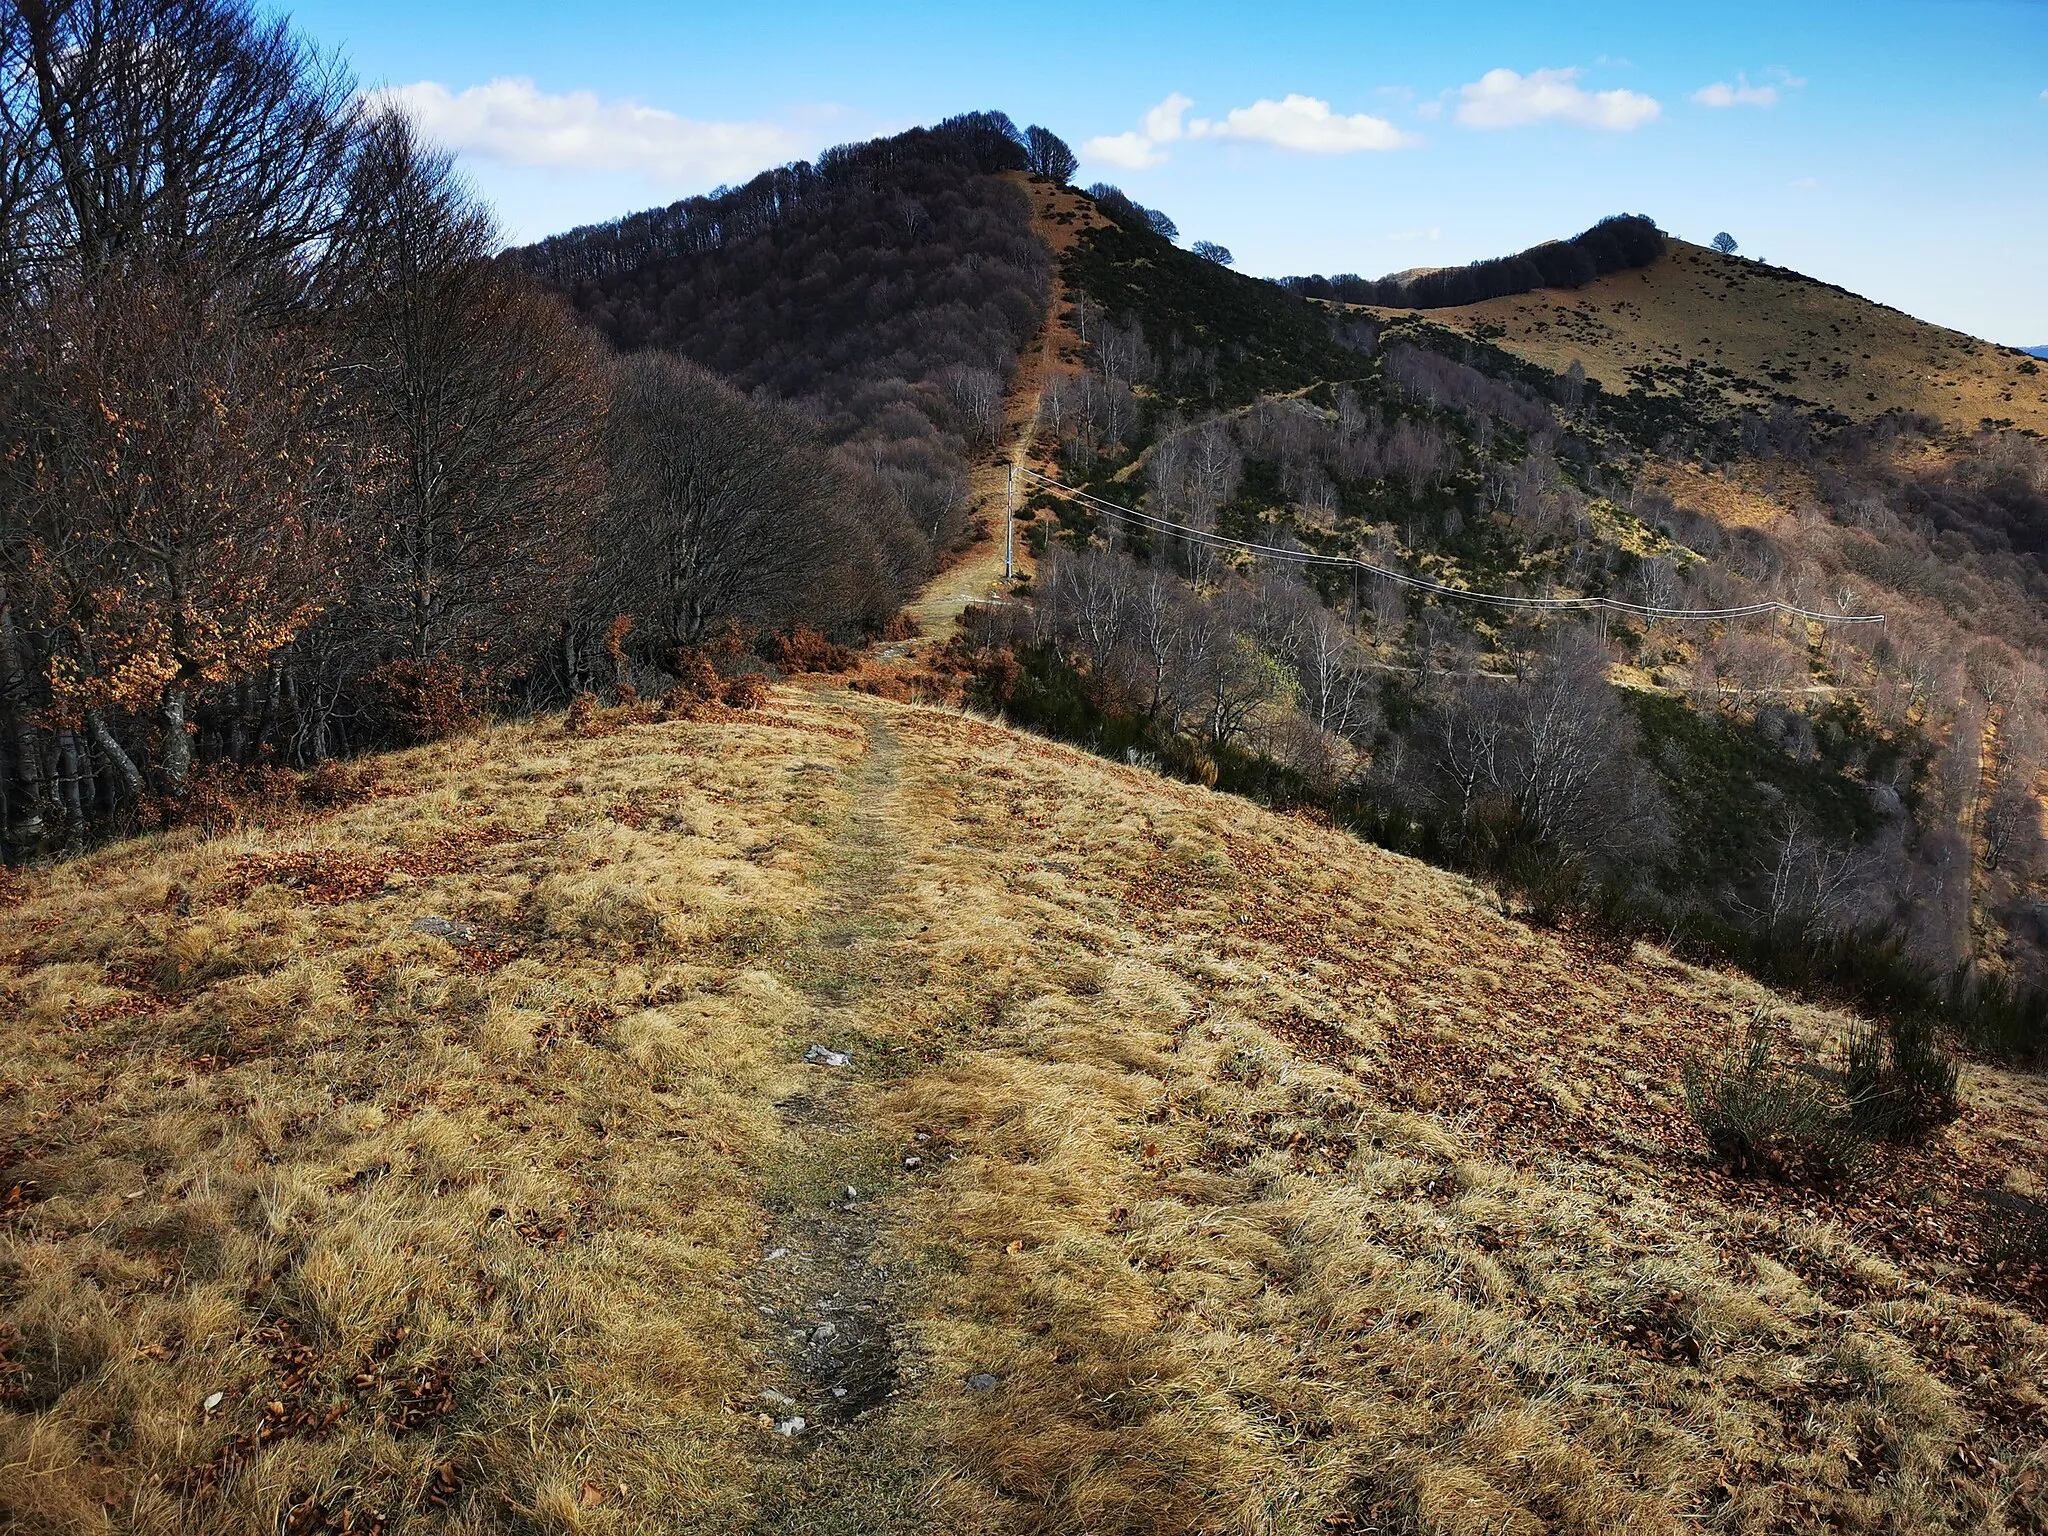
pixel 1760 334
pixel 453 1156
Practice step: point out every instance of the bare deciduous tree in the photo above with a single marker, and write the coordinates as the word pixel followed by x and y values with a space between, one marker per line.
pixel 977 395
pixel 720 510
pixel 175 131
pixel 1049 155
pixel 170 509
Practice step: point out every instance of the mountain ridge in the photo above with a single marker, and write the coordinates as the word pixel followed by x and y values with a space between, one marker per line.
pixel 1168 1041
pixel 1694 311
pixel 1163 1118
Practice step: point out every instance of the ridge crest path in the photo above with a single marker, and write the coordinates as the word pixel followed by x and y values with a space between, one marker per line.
pixel 1058 214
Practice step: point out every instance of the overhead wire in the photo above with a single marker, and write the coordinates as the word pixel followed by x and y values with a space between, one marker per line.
pixel 1151 522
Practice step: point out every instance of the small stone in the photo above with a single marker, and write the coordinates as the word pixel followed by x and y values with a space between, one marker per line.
pixel 839 1391
pixel 913 1162
pixel 444 928
pixel 214 1400
pixel 824 1333
pixel 924 1136
pixel 777 1253
pixel 793 1425
pixel 981 1381
pixel 819 1055
pixel 852 1193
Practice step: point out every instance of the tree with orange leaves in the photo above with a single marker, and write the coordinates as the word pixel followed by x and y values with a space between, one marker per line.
pixel 172 473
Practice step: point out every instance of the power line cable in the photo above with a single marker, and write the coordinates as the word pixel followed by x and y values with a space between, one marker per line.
pixel 1152 523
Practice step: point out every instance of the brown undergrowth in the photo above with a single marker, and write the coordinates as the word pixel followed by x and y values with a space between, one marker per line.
pixel 1208 1171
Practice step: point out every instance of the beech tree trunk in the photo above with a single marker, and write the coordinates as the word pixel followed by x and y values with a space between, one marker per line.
pixel 177 756
pixel 18 739
pixel 126 774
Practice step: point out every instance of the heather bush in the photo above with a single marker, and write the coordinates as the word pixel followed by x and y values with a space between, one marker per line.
pixel 332 785
pixel 696 676
pixel 803 649
pixel 221 797
pixel 422 701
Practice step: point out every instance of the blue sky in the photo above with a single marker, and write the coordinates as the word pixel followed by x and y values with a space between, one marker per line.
pixel 1897 147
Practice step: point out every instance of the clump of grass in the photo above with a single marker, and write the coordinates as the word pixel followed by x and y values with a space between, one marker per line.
pixel 2019 1232
pixel 1769 1118
pixel 1902 1085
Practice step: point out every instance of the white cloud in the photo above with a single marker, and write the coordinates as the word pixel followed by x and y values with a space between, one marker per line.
pixel 1162 124
pixel 513 121
pixel 1306 124
pixel 1300 123
pixel 1130 151
pixel 1503 99
pixel 1740 94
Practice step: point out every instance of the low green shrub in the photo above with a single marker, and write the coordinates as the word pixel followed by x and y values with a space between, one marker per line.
pixel 1767 1118
pixel 1902 1084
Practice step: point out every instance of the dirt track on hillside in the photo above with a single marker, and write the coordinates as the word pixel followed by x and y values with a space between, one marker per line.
pixel 977 574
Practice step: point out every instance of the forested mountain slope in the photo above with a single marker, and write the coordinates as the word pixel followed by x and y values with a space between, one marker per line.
pixel 1863 799
pixel 887 290
pixel 460 1158
pixel 292 467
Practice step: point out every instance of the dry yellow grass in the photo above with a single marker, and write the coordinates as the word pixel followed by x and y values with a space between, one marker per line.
pixel 1749 494
pixel 1697 309
pixel 1210 1172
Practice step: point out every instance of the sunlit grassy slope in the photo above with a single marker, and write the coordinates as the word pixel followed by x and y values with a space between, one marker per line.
pixel 1196 1169
pixel 1769 332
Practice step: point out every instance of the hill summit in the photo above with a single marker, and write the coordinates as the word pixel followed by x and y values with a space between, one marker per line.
pixel 1744 334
